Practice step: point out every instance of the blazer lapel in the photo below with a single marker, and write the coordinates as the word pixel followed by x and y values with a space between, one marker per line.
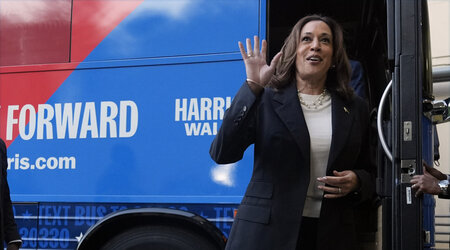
pixel 287 106
pixel 342 118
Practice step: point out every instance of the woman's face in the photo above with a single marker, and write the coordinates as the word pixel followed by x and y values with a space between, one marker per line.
pixel 314 51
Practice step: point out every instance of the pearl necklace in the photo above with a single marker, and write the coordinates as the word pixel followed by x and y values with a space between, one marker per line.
pixel 316 103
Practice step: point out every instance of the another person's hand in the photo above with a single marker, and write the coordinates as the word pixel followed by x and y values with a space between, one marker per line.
pixel 428 182
pixel 256 68
pixel 341 184
pixel 434 172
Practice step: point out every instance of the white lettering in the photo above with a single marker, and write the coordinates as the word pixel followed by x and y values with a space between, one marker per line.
pixel 214 128
pixel 192 128
pixel 72 120
pixel 180 109
pixel 31 124
pixel 16 161
pixel 124 105
pixel 201 109
pixel 196 129
pixel 38 163
pixel 43 121
pixel 89 122
pixel 218 108
pixel 52 163
pixel 193 110
pixel 24 163
pixel 41 163
pixel 205 108
pixel 106 119
pixel 67 162
pixel 10 121
pixel 228 102
pixel 67 119
pixel 206 129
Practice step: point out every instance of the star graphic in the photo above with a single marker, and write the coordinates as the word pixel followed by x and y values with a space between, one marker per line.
pixel 27 214
pixel 79 237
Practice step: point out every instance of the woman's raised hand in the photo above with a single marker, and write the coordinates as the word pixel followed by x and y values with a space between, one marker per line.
pixel 258 72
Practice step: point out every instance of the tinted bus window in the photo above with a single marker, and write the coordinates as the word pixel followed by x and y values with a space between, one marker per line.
pixel 34 32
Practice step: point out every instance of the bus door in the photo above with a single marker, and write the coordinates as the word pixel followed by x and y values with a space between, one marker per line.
pixel 407 135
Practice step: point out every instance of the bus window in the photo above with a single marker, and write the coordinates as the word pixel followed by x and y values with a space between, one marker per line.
pixel 34 32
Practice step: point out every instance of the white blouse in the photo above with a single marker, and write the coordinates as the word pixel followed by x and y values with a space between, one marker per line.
pixel 318 120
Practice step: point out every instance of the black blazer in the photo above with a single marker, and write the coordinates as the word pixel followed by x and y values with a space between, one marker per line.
pixel 270 213
pixel 8 227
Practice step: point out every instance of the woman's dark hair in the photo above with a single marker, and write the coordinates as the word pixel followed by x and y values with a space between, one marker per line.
pixel 338 77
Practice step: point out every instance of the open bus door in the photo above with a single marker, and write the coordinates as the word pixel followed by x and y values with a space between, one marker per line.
pixel 405 36
pixel 407 132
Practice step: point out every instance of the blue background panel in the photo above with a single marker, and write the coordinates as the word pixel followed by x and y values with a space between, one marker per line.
pixel 160 162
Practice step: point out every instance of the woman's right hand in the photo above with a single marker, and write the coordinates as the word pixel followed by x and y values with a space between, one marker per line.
pixel 258 72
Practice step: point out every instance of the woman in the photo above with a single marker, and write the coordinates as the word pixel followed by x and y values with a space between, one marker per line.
pixel 311 162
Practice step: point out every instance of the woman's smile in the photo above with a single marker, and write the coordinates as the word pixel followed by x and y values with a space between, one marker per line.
pixel 314 53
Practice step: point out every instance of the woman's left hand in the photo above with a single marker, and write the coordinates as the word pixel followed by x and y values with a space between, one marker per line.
pixel 339 185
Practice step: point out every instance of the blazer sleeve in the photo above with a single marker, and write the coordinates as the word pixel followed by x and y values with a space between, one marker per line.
pixel 9 224
pixel 237 131
pixel 365 166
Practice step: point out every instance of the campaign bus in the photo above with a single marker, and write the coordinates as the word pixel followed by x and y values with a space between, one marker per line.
pixel 109 107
